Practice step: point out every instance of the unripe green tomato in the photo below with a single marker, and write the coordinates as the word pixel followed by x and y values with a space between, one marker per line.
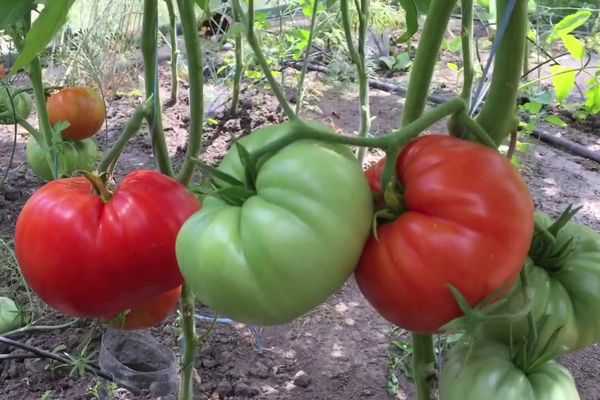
pixel 22 106
pixel 74 155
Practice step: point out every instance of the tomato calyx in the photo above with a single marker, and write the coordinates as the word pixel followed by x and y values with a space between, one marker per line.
pixel 99 184
pixel 529 354
pixel 543 247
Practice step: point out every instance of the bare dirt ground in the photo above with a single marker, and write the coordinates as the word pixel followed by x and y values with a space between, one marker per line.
pixel 341 350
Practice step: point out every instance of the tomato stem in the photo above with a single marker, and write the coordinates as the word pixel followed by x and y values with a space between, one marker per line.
pixel 498 114
pixel 174 52
pixel 149 54
pixel 191 343
pixel 98 185
pixel 107 164
pixel 277 89
pixel 423 364
pixel 427 57
pixel 239 66
pixel 193 49
pixel 311 35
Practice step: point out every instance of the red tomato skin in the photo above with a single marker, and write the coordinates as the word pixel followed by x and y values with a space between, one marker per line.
pixel 148 314
pixel 82 107
pixel 469 224
pixel 88 258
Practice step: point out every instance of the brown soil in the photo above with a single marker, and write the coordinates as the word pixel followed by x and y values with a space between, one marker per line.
pixel 340 351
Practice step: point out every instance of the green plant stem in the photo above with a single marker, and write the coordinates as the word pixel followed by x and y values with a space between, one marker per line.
pixel 423 364
pixel 260 57
pixel 476 130
pixel 498 115
pixel 109 160
pixel 239 66
pixel 533 334
pixel 35 75
pixel 191 342
pixel 174 52
pixel 348 31
pixel 466 35
pixel 313 20
pixel 31 130
pixel 363 74
pixel 423 66
pixel 39 328
pixel 148 47
pixel 193 49
pixel 393 140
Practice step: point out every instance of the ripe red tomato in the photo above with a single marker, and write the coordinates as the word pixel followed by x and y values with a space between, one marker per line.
pixel 2 71
pixel 88 258
pixel 469 223
pixel 81 106
pixel 148 314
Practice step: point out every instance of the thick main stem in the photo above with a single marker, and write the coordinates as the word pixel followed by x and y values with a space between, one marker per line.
pixel 239 66
pixel 35 75
pixel 189 24
pixel 423 364
pixel 174 52
pixel 363 74
pixel 191 342
pixel 148 47
pixel 498 114
pixel 466 36
pixel 426 58
pixel 311 34
pixel 277 89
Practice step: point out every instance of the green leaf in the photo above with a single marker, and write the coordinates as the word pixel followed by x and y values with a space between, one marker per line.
pixel 50 20
pixel 592 99
pixel 563 79
pixel 452 67
pixel 205 6
pixel 556 121
pixel 412 20
pixel 13 10
pixel 575 46
pixel 544 97
pixel 568 24
pixel 403 61
pixel 532 107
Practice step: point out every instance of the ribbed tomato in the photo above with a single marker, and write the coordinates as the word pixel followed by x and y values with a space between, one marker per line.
pixel 82 107
pixel 468 223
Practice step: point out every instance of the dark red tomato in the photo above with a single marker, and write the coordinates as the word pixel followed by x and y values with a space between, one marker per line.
pixel 2 71
pixel 148 314
pixel 469 223
pixel 88 258
pixel 82 107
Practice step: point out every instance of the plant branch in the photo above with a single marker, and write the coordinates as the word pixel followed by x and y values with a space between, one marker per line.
pixel 39 328
pixel 311 34
pixel 193 49
pixel 260 57
pixel 363 75
pixel 149 54
pixel 423 364
pixel 174 53
pixel 191 342
pixel 239 66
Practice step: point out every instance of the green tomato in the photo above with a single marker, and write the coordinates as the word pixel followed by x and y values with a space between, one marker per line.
pixel 72 156
pixel 565 293
pixel 10 316
pixel 21 102
pixel 288 247
pixel 488 372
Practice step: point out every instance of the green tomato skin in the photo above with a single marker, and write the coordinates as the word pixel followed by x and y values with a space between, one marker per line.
pixel 22 106
pixel 489 373
pixel 289 247
pixel 75 155
pixel 10 316
pixel 568 299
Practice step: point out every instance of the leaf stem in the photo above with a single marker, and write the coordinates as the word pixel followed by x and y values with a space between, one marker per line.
pixel 193 50
pixel 277 89
pixel 149 54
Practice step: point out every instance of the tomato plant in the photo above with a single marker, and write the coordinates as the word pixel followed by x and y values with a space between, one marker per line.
pixel 89 255
pixel 489 371
pixel 13 104
pixel 82 107
pixel 290 243
pixel 72 156
pixel 457 229
pixel 564 275
pixel 148 314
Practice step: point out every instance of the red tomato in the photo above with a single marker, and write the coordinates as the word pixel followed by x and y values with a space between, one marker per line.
pixel 87 258
pixel 148 314
pixel 469 223
pixel 2 71
pixel 81 106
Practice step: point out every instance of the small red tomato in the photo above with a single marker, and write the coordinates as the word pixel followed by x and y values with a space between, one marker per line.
pixel 82 107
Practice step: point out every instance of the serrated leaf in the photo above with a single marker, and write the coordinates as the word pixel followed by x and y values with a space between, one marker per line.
pixel 412 20
pixel 556 121
pixel 48 23
pixel 568 24
pixel 13 10
pixel 575 46
pixel 563 79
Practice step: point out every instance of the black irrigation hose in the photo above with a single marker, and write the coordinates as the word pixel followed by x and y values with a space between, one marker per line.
pixel 545 137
